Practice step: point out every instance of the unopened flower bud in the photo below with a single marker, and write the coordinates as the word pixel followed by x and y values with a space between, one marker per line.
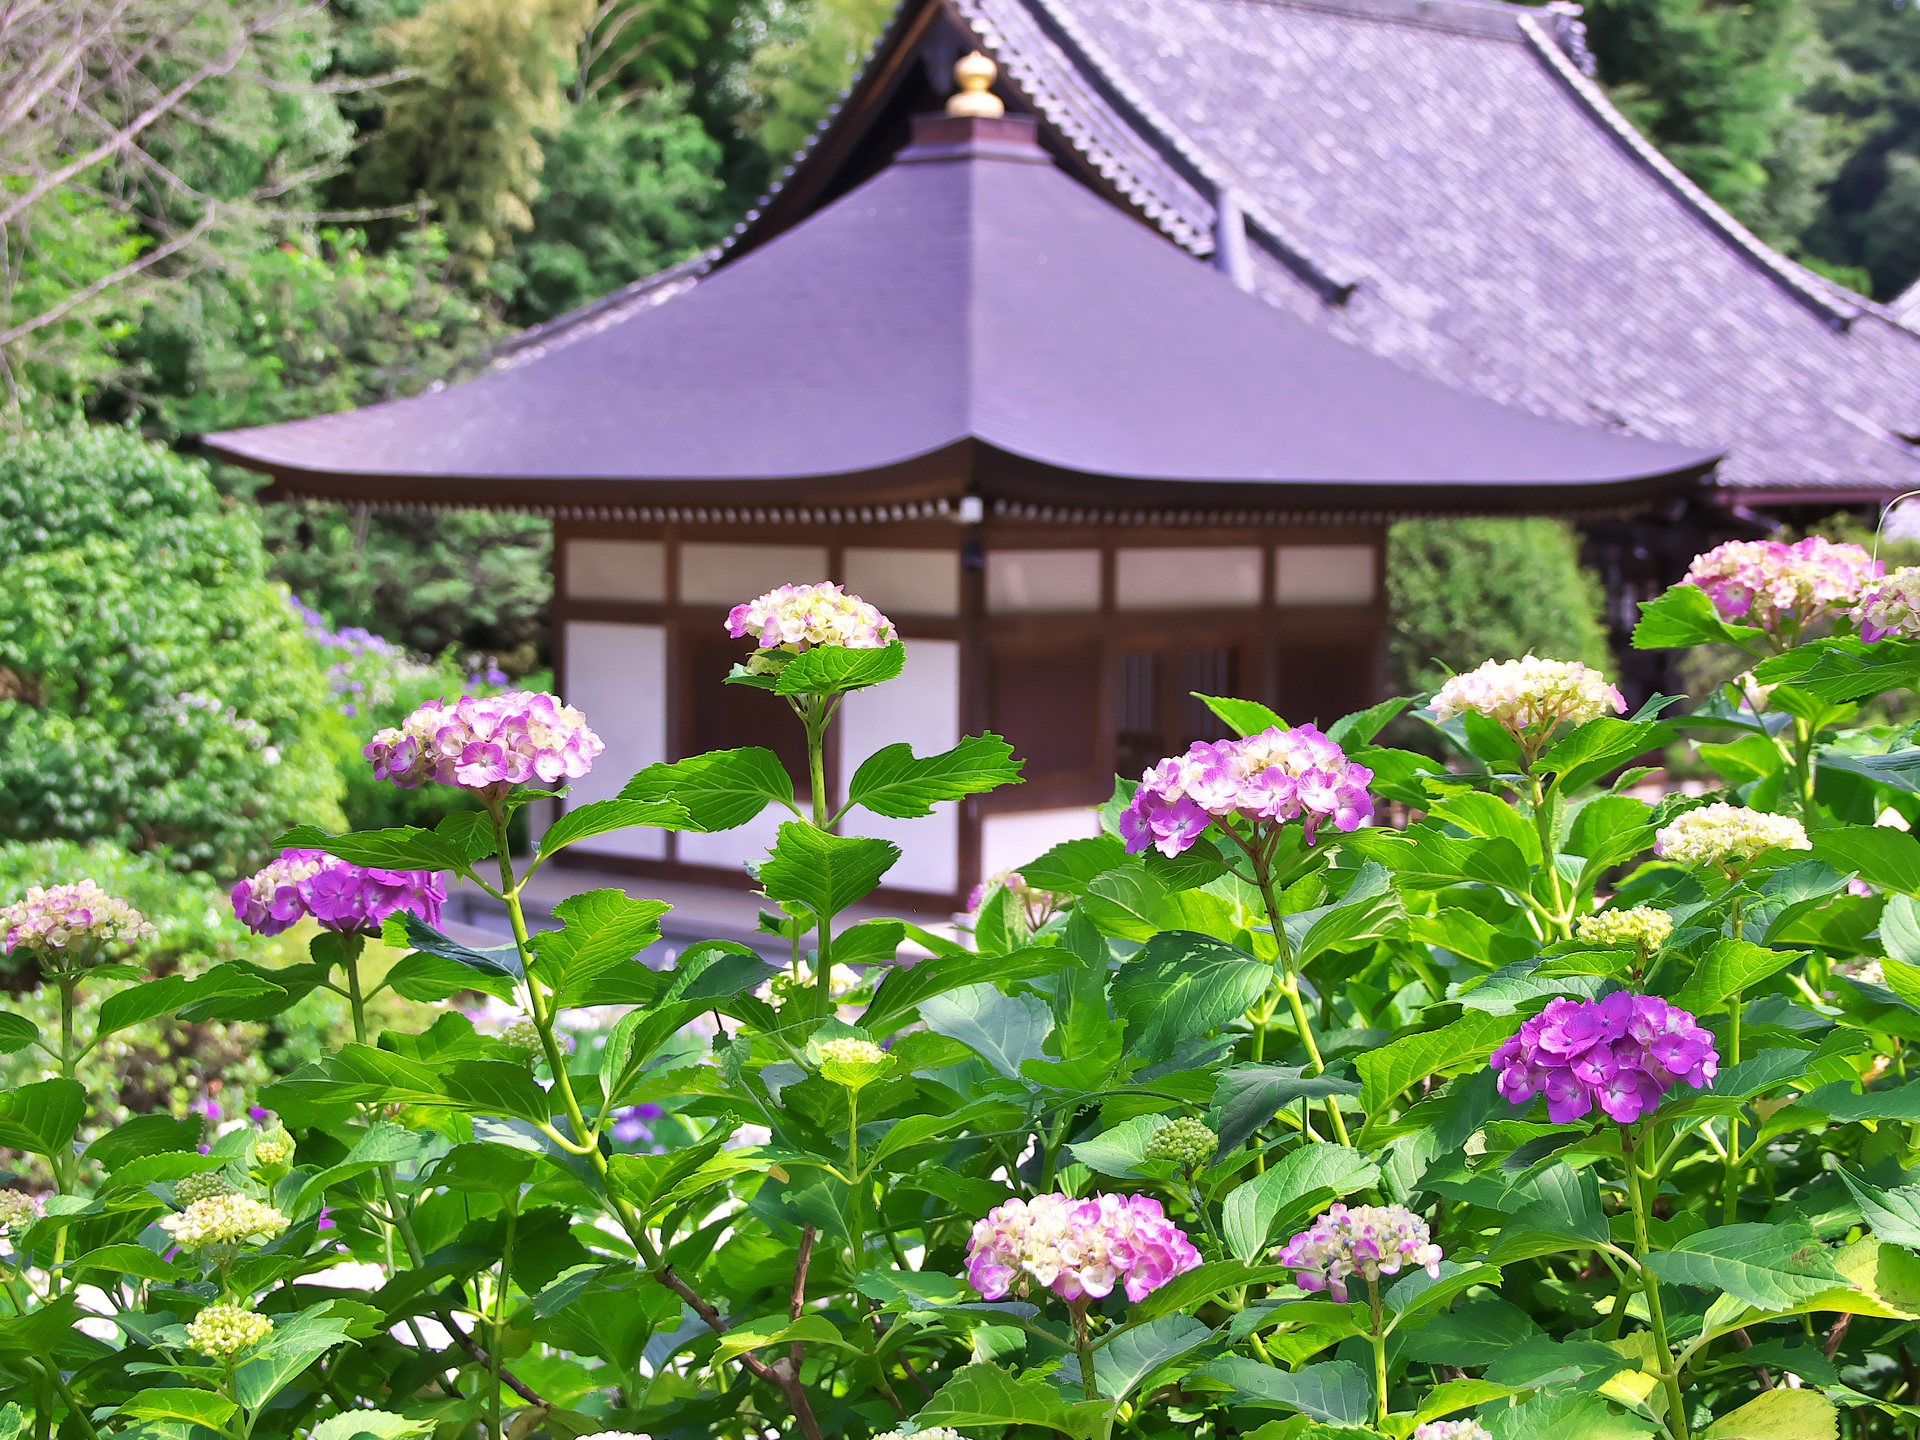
pixel 852 1062
pixel 1186 1142
pixel 223 1331
pixel 204 1186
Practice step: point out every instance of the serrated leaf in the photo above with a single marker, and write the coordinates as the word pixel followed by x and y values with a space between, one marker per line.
pixel 602 930
pixel 381 1424
pixel 1781 1414
pixel 1247 1096
pixel 405 847
pixel 1728 969
pixel 1386 1072
pixel 603 817
pixel 893 782
pixel 16 1032
pixel 1879 854
pixel 838 669
pixel 432 978
pixel 1243 717
pixel 41 1119
pixel 1840 1101
pixel 177 1402
pixel 1071 866
pixel 1337 1391
pixel 1685 616
pixel 161 995
pixel 986 1395
pixel 144 1135
pixel 1360 727
pixel 826 873
pixel 1892 1215
pixel 1122 1363
pixel 1477 1333
pixel 405 930
pixel 905 989
pixel 1768 1266
pixel 719 790
pixel 1296 1185
pixel 1004 1030
pixel 1598 746
pixel 1181 986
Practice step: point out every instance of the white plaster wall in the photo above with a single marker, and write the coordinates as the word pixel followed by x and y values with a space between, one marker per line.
pixel 1009 841
pixel 616 675
pixel 617 570
pixel 922 708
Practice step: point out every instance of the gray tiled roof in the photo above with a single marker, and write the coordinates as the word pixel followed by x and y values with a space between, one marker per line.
pixel 1508 231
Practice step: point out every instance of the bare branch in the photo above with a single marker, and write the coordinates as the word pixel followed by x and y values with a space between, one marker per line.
pixel 106 282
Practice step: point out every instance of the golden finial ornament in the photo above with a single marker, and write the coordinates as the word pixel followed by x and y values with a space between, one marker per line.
pixel 974 74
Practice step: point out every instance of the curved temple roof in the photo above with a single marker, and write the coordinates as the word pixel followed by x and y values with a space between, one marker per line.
pixel 970 319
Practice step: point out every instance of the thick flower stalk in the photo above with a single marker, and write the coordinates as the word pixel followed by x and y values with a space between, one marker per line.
pixel 1529 698
pixel 487 745
pixel 1642 927
pixel 71 923
pixel 1889 605
pixel 1781 588
pixel 1621 1053
pixel 1727 835
pixel 1277 775
pixel 223 1331
pixel 1079 1249
pixel 1364 1240
pixel 798 617
pixel 309 884
pixel 224 1220
pixel 1254 788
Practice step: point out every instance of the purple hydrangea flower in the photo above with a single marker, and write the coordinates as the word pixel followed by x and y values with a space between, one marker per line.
pixel 1621 1053
pixel 340 896
pixel 1364 1240
pixel 1277 775
pixel 487 743
pixel 632 1126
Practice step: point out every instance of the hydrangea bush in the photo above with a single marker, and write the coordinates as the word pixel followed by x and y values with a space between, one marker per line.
pixel 1550 1115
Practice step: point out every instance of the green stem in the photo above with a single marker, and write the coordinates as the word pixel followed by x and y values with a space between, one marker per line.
pixel 856 1241
pixel 500 1317
pixel 1650 1286
pixel 1379 1339
pixel 1290 987
pixel 1559 911
pixel 814 714
pixel 1083 1343
pixel 1730 1184
pixel 1290 980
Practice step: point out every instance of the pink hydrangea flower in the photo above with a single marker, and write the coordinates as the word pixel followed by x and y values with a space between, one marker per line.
pixel 1079 1249
pixel 71 918
pixel 1889 606
pixel 1781 588
pixel 1621 1053
pixel 1451 1430
pixel 340 896
pixel 800 616
pixel 487 743
pixel 1277 775
pixel 1364 1240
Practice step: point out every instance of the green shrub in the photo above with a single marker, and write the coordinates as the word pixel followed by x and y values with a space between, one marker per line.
pixel 155 689
pixel 1463 591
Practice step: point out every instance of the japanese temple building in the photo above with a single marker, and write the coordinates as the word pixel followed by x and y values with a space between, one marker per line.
pixel 1079 453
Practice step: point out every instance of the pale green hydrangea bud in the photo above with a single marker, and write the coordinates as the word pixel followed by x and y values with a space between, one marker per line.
pixel 224 1220
pixel 522 1035
pixel 201 1187
pixel 1643 927
pixel 223 1331
pixel 17 1210
pixel 1186 1142
pixel 272 1148
pixel 853 1063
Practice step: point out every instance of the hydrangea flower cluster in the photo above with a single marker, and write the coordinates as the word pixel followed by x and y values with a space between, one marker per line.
pixel 799 616
pixel 303 883
pixel 1451 1430
pixel 1529 698
pixel 1282 775
pixel 1643 927
pixel 1185 1141
pixel 1889 605
pixel 1079 1249
pixel 487 743
pixel 17 1209
pixel 65 919
pixel 1778 587
pixel 1038 906
pixel 852 1062
pixel 1622 1053
pixel 1722 834
pixel 1364 1240
pixel 937 1432
pixel 223 1220
pixel 223 1331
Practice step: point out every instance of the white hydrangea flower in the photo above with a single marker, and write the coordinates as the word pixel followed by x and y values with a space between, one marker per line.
pixel 852 1062
pixel 936 1432
pixel 224 1220
pixel 842 981
pixel 1451 1430
pixel 1889 605
pixel 1720 834
pixel 223 1331
pixel 802 615
pixel 1529 697
pixel 1642 927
